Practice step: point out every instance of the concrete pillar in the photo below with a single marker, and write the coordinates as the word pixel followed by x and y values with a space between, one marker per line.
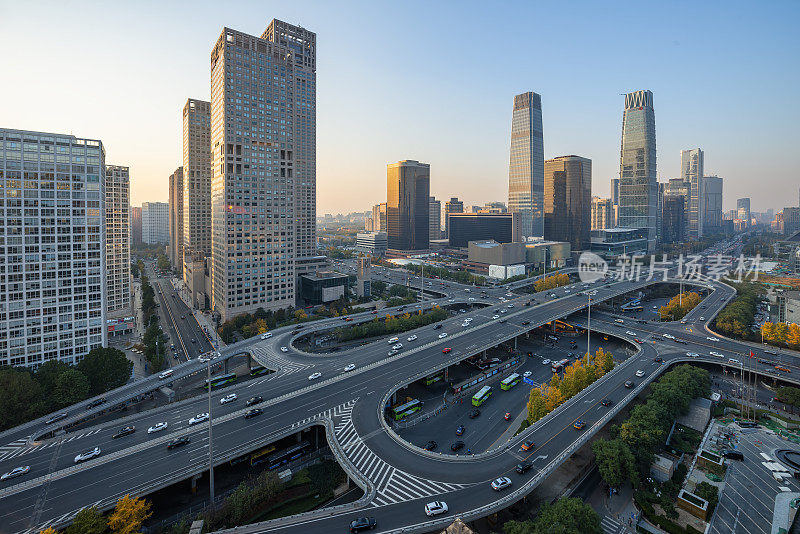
pixel 193 482
pixel 249 361
pixel 446 374
pixel 515 342
pixel 226 366
pixel 394 398
pixel 299 437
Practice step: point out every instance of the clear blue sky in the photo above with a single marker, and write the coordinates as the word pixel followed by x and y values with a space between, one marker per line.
pixel 432 81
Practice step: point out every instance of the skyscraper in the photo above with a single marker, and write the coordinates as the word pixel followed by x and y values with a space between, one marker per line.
pixel 435 219
pixel 568 200
pixel 602 213
pixel 263 189
pixel 743 210
pixel 155 223
pixel 526 164
pixel 118 242
pixel 638 187
pixel 136 225
pixel 379 217
pixel 692 174
pixel 673 220
pixel 713 211
pixel 196 231
pixel 53 279
pixel 407 204
pixel 615 199
pixel 452 206
pixel 176 219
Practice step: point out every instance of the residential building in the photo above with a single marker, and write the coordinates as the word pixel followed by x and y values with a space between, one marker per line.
pixel 136 225
pixel 568 200
pixel 692 175
pixel 434 219
pixel 368 224
pixel 673 222
pixel 500 227
pixel 612 242
pixel 407 204
pixel 155 223
pixel 372 243
pixel 58 311
pixel 638 186
pixel 526 164
pixel 713 211
pixel 743 210
pixel 379 217
pixel 176 211
pixel 452 206
pixel 602 213
pixel 118 246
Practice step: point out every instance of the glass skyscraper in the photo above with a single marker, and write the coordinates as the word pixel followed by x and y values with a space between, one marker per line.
pixel 407 204
pixel 692 174
pixel 638 187
pixel 526 164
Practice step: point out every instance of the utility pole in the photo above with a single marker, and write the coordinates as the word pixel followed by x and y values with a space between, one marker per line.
pixel 210 442
pixel 589 331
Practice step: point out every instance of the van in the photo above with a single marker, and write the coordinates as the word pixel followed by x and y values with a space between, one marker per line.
pixel 394 340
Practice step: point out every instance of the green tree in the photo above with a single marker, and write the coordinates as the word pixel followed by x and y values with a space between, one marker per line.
pixel 566 516
pixel 47 374
pixel 709 492
pixel 106 369
pixel 21 397
pixel 88 521
pixel 614 460
pixel 71 387
pixel 163 263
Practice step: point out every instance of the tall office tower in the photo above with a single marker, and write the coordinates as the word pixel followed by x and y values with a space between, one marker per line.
pixel 452 206
pixel 53 258
pixel 526 164
pixel 435 219
pixel 692 174
pixel 713 211
pixel 638 187
pixel 615 198
pixel 673 220
pixel 136 225
pixel 263 129
pixel 176 219
pixel 791 220
pixel 407 204
pixel 196 180
pixel 379 217
pixel 743 210
pixel 602 213
pixel 660 208
pixel 155 223
pixel 568 200
pixel 118 242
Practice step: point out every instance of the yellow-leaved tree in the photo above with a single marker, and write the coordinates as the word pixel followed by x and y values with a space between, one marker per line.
pixel 128 515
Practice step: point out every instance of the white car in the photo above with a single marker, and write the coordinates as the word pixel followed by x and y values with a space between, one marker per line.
pixel 668 336
pixel 545 362
pixel 228 398
pixel 714 339
pixel 266 336
pixel 203 359
pixel 436 507
pixel 734 361
pixel 502 311
pixel 501 483
pixel 165 374
pixel 510 305
pixel 692 354
pixel 397 346
pixel 527 374
pixel 631 333
pixel 451 300
pixel 157 428
pixel 393 340
pixel 349 367
pixel 393 352
pixel 284 349
pixel 88 455
pixel 443 335
pixel 509 294
pixel 465 324
pixel 471 299
pixel 16 472
pixel 640 373
pixel 702 318
pixel 566 291
pixel 199 418
pixel 314 376
pixel 468 320
pixel 412 337
pixel 495 316
pixel 717 354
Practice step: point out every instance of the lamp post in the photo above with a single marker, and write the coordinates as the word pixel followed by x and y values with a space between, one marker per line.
pixel 210 442
pixel 589 331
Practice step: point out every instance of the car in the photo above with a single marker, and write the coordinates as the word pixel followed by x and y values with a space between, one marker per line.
pixel 16 472
pixel 349 367
pixel 579 424
pixel 314 376
pixel 528 445
pixel 717 354
pixel 658 359
pixel 57 417
pixel 640 373
pixel 502 320
pixel 363 523
pixel 443 335
pixel 412 337
pixel 683 321
pixel 393 352
pixel 88 455
pixel 711 338
pixel 639 341
pixel 397 346
pixel 501 483
pixel 94 403
pixel 456 446
pixel 523 467
pixel 183 317
pixel 393 340
pixel 495 316
pixel 474 413
pixel 460 430
pixel 527 374
pixel 507 416
pixel 509 294
pixel 284 349
pixel 502 311
pixel 177 442
pixel 692 354
pixel 702 318
pixel 165 374
pixel 774 353
pixel 546 361
pixel 124 431
pixel 228 398
pixel 253 412
pixel 199 418
pixel 668 336
pixel 606 402
pixel 254 400
pixel 734 361
pixel 629 384
pixel 733 454
pixel 436 508
pixel 194 341
pixel 266 335
pixel 157 427
pixel 437 327
pixel 631 333
pixel 430 446
pixel 525 323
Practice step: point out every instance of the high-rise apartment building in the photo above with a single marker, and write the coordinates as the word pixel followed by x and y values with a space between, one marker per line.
pixel 743 210
pixel 136 225
pixel 602 213
pixel 407 204
pixel 451 206
pixel 176 216
pixel 568 200
pixel 196 180
pixel 526 164
pixel 53 255
pixel 379 217
pixel 638 186
pixel 692 175
pixel 263 189
pixel 155 223
pixel 713 211
pixel 435 219
pixel 118 242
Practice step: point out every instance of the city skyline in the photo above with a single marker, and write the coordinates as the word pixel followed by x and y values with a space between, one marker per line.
pixel 450 134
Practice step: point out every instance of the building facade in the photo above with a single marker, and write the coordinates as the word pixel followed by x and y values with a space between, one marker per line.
pixel 118 242
pixel 434 219
pixel 53 255
pixel 791 220
pixel 499 227
pixel 713 211
pixel 136 225
pixel 196 180
pixel 602 213
pixel 673 221
pixel 526 164
pixel 615 198
pixel 407 204
pixel 155 223
pixel 692 175
pixel 638 186
pixel 743 210
pixel 176 211
pixel 568 200
pixel 379 217
pixel 451 206
pixel 372 243
pixel 612 242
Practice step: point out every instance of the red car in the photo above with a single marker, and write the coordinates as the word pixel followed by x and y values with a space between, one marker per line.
pixel 446 350
pixel 639 341
pixel 507 416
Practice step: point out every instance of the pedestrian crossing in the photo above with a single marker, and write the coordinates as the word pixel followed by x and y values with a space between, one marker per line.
pixel 66 518
pixel 22 449
pixel 611 525
pixel 12 447
pixel 272 360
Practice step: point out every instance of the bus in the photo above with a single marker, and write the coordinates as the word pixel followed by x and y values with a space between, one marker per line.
pixel 261 455
pixel 404 410
pixel 432 379
pixel 285 456
pixel 559 366
pixel 510 381
pixel 221 381
pixel 259 370
pixel 481 396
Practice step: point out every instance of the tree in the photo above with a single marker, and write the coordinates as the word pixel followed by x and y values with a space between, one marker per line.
pixel 48 373
pixel 106 369
pixel 88 521
pixel 566 516
pixel 537 407
pixel 709 492
pixel 21 397
pixel 71 387
pixel 614 460
pixel 163 263
pixel 48 530
pixel 129 514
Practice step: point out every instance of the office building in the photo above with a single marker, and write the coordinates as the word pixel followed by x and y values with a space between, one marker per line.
pixel 53 258
pixel 692 175
pixel 602 213
pixel 713 211
pixel 155 223
pixel 568 200
pixel 526 164
pixel 176 210
pixel 364 277
pixel 483 254
pixel 136 225
pixel 434 219
pixel 452 206
pixel 407 204
pixel 551 254
pixel 615 198
pixel 791 220
pixel 263 185
pixel 638 187
pixel 660 208
pixel 322 287
pixel 673 221
pixel 612 242
pixel 493 207
pixel 372 243
pixel 379 217
pixel 743 210
pixel 118 245
pixel 500 227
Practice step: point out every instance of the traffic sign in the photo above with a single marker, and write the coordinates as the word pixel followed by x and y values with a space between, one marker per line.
pixel 529 381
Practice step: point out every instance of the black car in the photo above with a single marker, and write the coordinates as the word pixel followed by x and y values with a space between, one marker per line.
pixel 629 384
pixel 255 400
pixel 437 327
pixel 124 431
pixel 457 446
pixel 658 359
pixel 94 403
pixel 502 320
pixel 252 413
pixel 733 454
pixel 431 445
pixel 606 402
pixel 474 413
pixel 177 442
pixel 363 523
pixel 524 323
pixel 522 467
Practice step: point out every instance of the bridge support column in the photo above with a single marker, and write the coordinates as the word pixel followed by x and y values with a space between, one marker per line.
pixel 515 342
pixel 193 482
pixel 249 361
pixel 299 437
pixel 226 366
pixel 446 373
pixel 394 398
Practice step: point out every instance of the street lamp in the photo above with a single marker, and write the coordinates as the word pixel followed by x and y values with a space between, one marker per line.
pixel 589 330
pixel 210 442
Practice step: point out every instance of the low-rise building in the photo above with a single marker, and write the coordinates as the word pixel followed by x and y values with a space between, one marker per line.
pixel 322 287
pixel 372 243
pixel 555 253
pixel 613 242
pixel 482 254
pixel 662 468
pixel 500 227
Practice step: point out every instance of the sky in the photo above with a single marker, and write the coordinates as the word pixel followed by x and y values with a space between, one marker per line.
pixel 432 81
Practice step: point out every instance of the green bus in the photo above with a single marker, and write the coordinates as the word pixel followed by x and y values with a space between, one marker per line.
pixel 221 381
pixel 481 396
pixel 404 410
pixel 433 378
pixel 259 370
pixel 510 381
